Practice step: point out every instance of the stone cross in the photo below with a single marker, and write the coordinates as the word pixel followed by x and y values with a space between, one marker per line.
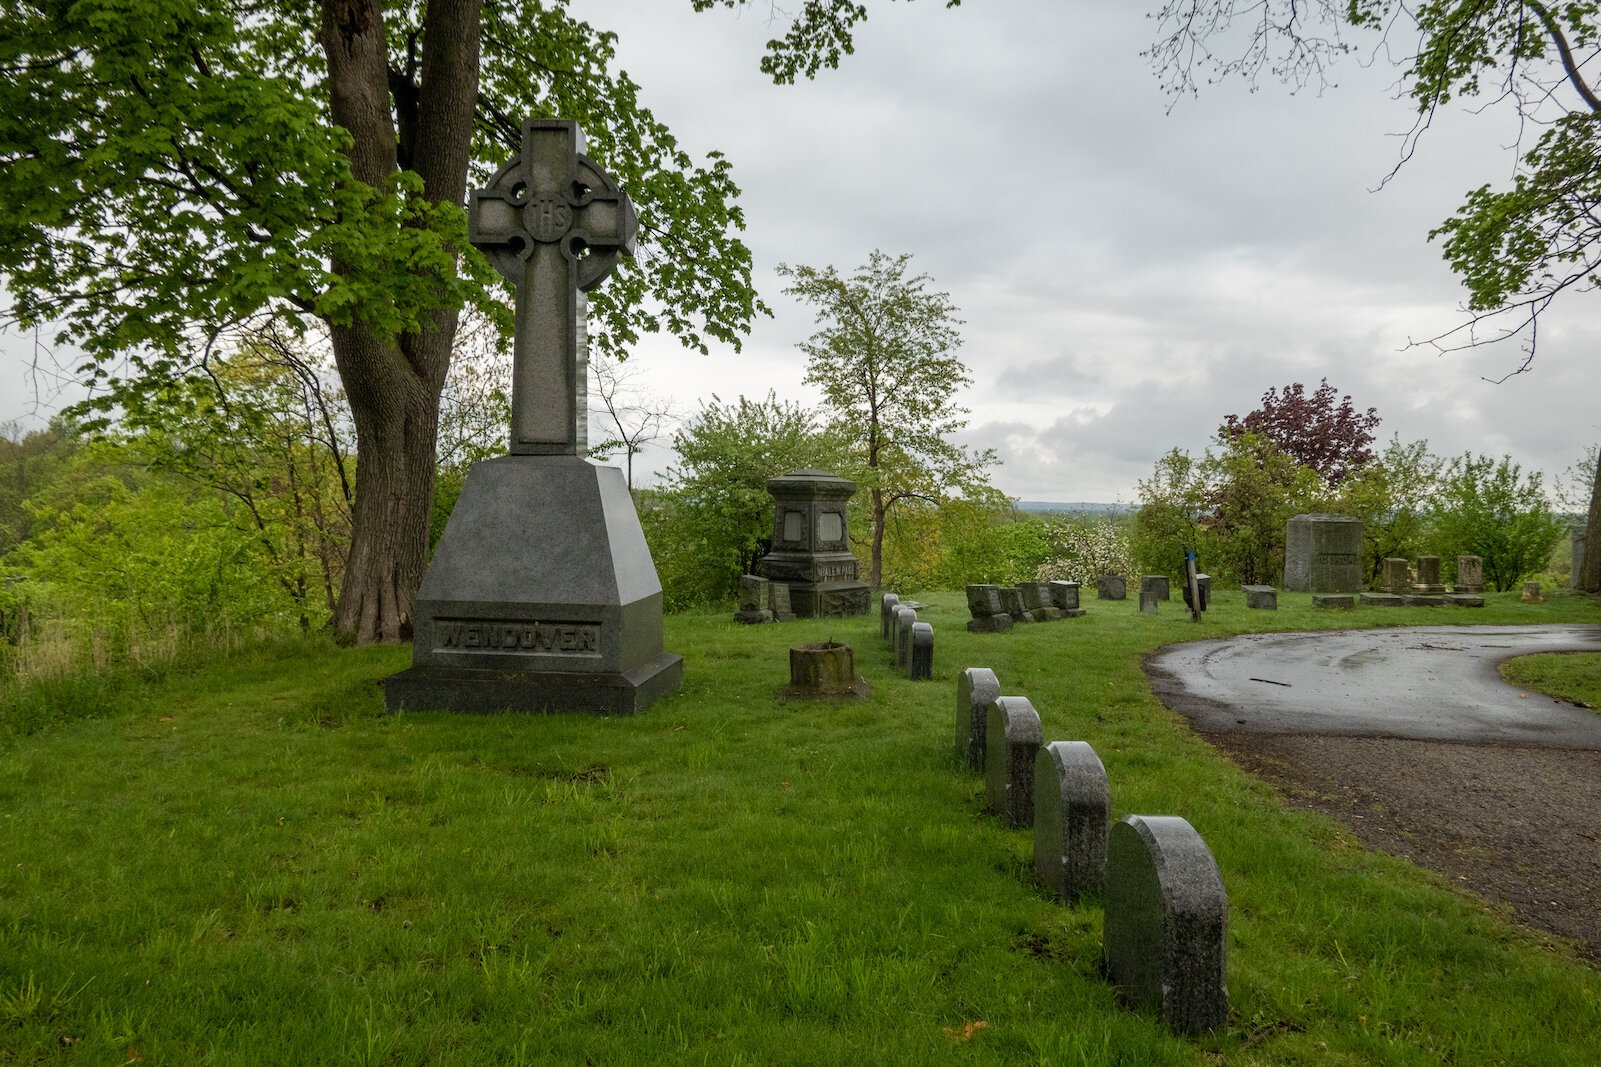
pixel 553 224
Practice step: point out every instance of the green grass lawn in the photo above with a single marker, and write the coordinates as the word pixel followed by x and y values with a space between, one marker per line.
pixel 249 862
pixel 1572 676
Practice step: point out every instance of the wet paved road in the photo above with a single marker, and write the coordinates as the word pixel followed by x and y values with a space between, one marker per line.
pixel 1435 683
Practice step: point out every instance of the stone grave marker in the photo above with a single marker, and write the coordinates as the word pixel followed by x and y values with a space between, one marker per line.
pixel 1064 596
pixel 1383 600
pixel 1012 739
pixel 976 690
pixel 1333 600
pixel 1110 587
pixel 1531 592
pixel 542 595
pixel 1072 806
pixel 1469 575
pixel 1396 576
pixel 1323 554
pixel 920 663
pixel 1428 582
pixel 1012 601
pixel 753 596
pixel 1157 582
pixel 1423 600
pixel 987 611
pixel 1166 923
pixel 886 616
pixel 1149 601
pixel 1262 597
pixel 905 619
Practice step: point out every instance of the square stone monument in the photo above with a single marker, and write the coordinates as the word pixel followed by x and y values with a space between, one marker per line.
pixel 542 595
pixel 1323 554
pixel 810 551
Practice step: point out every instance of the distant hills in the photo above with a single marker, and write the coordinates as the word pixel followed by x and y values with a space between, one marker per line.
pixel 1076 507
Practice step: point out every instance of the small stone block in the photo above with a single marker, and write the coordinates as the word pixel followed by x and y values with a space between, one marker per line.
pixel 991 624
pixel 983 601
pixel 1064 595
pixel 1049 613
pixel 1333 600
pixel 1111 587
pixel 1262 597
pixel 1383 600
pixel 1035 595
pixel 1149 601
pixel 1157 582
pixel 886 616
pixel 1464 600
pixel 920 664
pixel 1166 923
pixel 1012 741
pixel 1531 592
pixel 1011 601
pixel 976 689
pixel 1423 600
pixel 905 619
pixel 778 602
pixel 753 617
pixel 752 593
pixel 1072 806
pixel 1397 576
pixel 1071 613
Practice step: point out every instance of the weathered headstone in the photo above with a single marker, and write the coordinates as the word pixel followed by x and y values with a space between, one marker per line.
pixel 1465 600
pixel 905 619
pixel 1469 575
pixel 1423 600
pixel 541 595
pixel 1262 597
pixel 1580 534
pixel 1323 554
pixel 1012 739
pixel 1149 601
pixel 920 664
pixel 983 601
pixel 1035 595
pixel 1110 587
pixel 1428 582
pixel 778 602
pixel 810 549
pixel 1064 595
pixel 1397 576
pixel 1012 601
pixel 1166 923
pixel 1158 583
pixel 886 616
pixel 990 624
pixel 976 689
pixel 1383 600
pixel 1531 592
pixel 1333 600
pixel 825 671
pixel 1072 805
pixel 753 600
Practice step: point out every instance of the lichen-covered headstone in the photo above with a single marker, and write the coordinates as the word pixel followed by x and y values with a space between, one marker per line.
pixel 1013 736
pixel 983 601
pixel 1469 575
pixel 1531 592
pixel 1064 595
pixel 976 689
pixel 753 600
pixel 1072 805
pixel 1149 601
pixel 1397 576
pixel 1323 554
pixel 905 619
pixel 1012 602
pixel 1111 587
pixel 1158 583
pixel 920 663
pixel 1428 576
pixel 1166 923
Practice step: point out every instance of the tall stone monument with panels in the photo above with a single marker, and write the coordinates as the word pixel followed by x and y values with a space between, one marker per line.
pixel 542 595
pixel 810 548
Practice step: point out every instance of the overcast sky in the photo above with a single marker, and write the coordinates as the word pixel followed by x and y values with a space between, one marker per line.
pixel 1128 275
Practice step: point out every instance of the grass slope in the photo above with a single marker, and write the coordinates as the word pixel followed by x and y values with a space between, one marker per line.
pixel 249 863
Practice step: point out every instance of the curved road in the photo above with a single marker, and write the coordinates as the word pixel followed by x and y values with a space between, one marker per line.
pixel 1436 683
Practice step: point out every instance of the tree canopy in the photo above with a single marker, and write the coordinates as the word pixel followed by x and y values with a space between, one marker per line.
pixel 1323 431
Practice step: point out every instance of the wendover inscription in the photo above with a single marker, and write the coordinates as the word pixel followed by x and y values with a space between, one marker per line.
pixel 568 638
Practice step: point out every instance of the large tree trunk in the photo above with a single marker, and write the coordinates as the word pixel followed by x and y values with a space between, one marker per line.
pixel 876 565
pixel 394 388
pixel 1590 568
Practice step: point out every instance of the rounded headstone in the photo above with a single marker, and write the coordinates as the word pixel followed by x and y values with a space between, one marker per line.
pixel 1072 804
pixel 1012 738
pixel 976 689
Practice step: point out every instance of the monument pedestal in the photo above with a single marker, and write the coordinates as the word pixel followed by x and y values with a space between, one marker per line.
pixel 541 597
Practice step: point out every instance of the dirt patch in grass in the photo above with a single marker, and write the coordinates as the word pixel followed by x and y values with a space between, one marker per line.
pixel 1518 826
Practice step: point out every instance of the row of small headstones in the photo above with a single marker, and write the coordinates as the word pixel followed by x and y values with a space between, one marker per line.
pixel 911 642
pixel 1165 926
pixel 996 608
pixel 763 600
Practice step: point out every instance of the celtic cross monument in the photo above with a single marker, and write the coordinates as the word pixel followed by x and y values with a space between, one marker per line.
pixel 542 595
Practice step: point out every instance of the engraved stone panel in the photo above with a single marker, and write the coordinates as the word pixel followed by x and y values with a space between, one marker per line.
pixel 1072 805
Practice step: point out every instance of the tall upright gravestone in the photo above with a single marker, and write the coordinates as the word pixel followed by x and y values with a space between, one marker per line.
pixel 1323 554
pixel 542 595
pixel 810 549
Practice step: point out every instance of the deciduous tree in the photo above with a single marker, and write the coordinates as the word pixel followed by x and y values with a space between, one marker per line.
pixel 1324 431
pixel 1487 508
pixel 885 360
